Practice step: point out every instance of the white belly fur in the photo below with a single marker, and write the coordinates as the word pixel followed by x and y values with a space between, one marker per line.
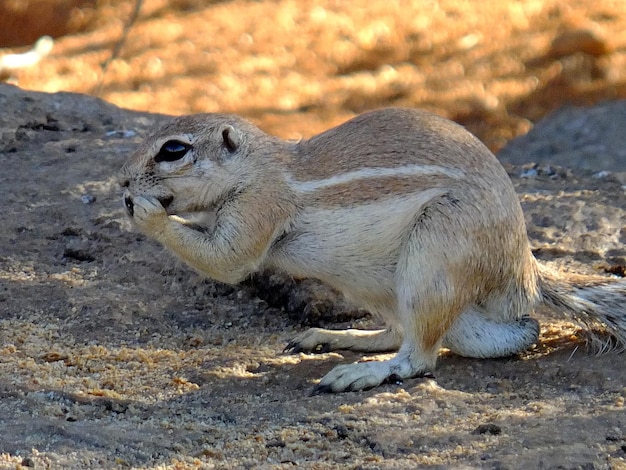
pixel 331 253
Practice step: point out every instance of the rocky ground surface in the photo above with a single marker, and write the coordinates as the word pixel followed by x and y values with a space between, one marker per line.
pixel 113 355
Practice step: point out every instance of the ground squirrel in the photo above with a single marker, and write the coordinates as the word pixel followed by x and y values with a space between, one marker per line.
pixel 405 212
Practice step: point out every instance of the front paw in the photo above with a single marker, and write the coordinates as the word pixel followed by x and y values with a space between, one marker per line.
pixel 148 213
pixel 355 377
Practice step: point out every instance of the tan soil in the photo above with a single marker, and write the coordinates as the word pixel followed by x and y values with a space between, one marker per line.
pixel 113 356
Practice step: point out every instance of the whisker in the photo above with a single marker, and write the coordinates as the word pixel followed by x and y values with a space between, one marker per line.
pixel 572 355
pixel 167 177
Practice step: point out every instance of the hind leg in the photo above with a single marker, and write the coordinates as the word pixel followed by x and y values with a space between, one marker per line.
pixel 474 334
pixel 423 326
pixel 427 304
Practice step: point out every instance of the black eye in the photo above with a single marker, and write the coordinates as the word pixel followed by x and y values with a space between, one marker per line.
pixel 171 151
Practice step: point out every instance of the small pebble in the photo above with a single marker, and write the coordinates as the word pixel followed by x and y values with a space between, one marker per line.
pixel 88 198
pixel 529 173
pixel 549 171
pixel 489 428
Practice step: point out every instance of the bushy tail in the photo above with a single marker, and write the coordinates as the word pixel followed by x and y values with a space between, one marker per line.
pixel 598 303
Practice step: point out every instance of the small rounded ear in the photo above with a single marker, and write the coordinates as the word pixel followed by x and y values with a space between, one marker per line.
pixel 230 138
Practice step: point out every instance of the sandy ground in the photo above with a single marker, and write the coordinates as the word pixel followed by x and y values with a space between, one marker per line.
pixel 114 356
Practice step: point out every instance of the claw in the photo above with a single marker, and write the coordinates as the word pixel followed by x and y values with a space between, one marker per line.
pixel 292 348
pixel 393 379
pixel 319 389
pixel 295 348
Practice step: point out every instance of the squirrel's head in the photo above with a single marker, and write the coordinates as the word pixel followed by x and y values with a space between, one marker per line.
pixel 191 163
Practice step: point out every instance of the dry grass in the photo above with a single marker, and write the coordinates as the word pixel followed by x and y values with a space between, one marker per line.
pixel 297 67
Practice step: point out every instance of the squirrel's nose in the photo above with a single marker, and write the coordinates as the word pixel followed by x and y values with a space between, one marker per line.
pixel 129 204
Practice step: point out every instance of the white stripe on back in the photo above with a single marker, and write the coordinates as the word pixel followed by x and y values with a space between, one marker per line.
pixel 375 172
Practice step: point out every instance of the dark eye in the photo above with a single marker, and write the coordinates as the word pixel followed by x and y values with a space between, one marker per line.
pixel 171 151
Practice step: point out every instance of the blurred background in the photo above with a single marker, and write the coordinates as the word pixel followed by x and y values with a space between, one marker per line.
pixel 296 67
